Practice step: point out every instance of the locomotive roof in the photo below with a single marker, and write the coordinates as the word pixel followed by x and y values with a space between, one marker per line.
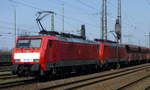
pixel 78 40
pixel 106 41
pixel 61 38
pixel 70 38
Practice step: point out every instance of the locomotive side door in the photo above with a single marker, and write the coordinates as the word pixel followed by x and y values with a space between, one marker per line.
pixel 52 53
pixel 49 51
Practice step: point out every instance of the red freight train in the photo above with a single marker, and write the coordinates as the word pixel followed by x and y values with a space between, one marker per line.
pixel 51 54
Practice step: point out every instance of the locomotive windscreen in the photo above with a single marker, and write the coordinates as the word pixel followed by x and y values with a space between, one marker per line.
pixel 28 43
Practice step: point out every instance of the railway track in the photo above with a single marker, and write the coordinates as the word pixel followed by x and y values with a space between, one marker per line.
pixel 76 82
pixel 5 73
pixel 85 81
pixel 8 76
pixel 5 68
pixel 132 83
pixel 140 83
pixel 17 82
pixel 8 80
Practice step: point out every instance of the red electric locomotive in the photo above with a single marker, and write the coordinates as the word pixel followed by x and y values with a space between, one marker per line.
pixel 112 54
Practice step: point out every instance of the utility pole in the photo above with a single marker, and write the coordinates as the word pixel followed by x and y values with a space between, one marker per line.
pixel 119 11
pixel 63 25
pixel 15 27
pixel 120 18
pixel 52 22
pixel 104 20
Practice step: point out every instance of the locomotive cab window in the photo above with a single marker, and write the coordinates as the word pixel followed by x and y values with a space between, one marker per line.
pixel 28 43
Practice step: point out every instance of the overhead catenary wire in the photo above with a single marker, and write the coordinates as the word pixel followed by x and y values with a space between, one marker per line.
pixel 12 23
pixel 67 17
pixel 6 27
pixel 13 1
pixel 24 27
pixel 87 5
pixel 11 27
pixel 25 4
pixel 113 6
pixel 76 8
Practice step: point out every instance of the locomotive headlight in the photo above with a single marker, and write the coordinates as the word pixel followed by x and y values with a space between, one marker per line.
pixel 35 60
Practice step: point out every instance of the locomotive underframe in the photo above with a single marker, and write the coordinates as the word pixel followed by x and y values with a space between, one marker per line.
pixel 25 69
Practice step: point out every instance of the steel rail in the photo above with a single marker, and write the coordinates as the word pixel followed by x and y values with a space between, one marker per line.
pixel 97 79
pixel 131 83
pixel 17 83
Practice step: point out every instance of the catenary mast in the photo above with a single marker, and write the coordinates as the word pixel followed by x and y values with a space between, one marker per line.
pixel 118 25
pixel 104 20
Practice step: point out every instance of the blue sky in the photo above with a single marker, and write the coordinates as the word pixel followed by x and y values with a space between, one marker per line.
pixel 136 18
